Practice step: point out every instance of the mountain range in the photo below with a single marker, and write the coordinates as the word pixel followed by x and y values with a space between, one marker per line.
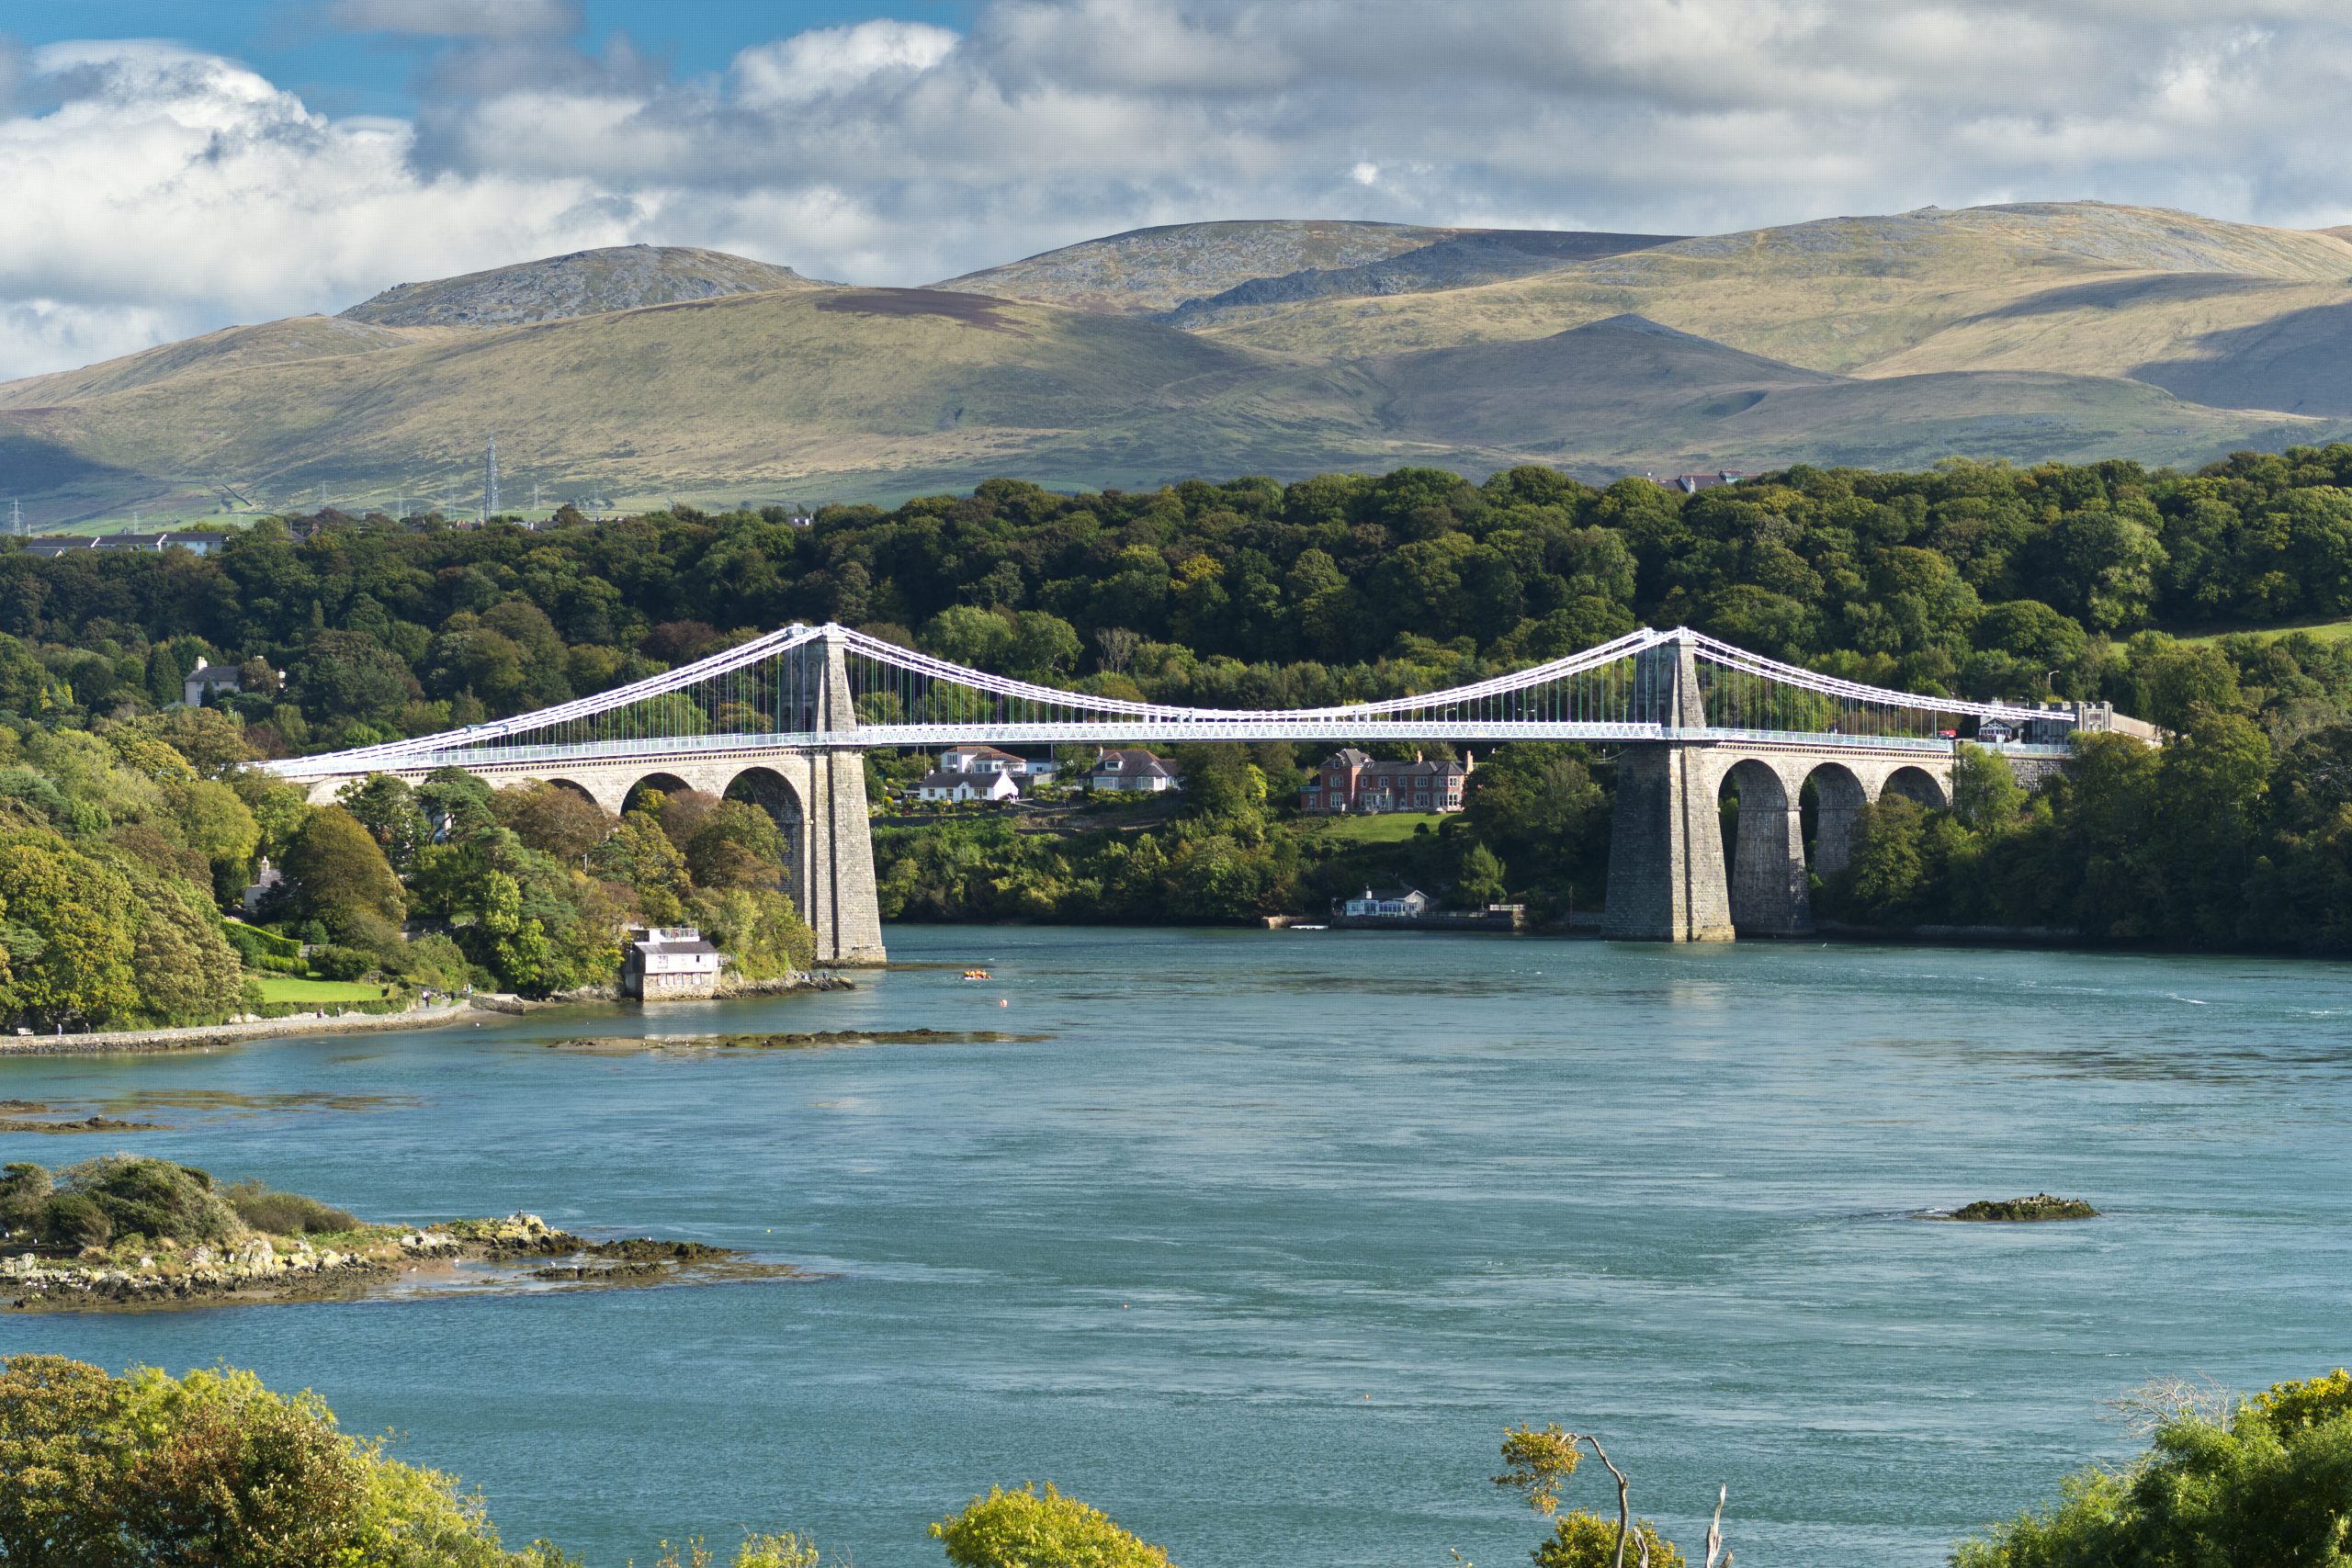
pixel 2073 330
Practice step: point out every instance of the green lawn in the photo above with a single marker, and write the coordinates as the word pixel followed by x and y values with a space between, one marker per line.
pixel 2322 631
pixel 1387 827
pixel 291 988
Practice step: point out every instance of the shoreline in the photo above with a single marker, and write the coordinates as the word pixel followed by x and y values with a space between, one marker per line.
pixel 483 1007
pixel 198 1036
pixel 519 1253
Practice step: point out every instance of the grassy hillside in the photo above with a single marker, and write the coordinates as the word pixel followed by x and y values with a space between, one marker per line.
pixel 1837 295
pixel 1147 271
pixel 770 384
pixel 2026 332
pixel 271 343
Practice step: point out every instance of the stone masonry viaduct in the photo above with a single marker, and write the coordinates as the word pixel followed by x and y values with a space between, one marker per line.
pixel 1668 880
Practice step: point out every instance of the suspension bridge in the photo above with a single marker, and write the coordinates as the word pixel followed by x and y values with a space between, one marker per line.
pixel 784 720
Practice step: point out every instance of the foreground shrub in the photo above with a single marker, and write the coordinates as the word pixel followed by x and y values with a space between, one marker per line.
pixel 118 1196
pixel 286 1213
pixel 1582 1538
pixel 210 1471
pixel 2266 1481
pixel 1032 1529
pixel 338 962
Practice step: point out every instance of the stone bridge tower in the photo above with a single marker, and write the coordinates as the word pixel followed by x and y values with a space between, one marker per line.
pixel 1666 847
pixel 836 865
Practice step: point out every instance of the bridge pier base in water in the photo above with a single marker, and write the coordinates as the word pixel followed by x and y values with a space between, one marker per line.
pixel 1666 849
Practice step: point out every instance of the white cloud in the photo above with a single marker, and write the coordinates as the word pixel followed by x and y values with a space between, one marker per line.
pixel 824 61
pixel 158 190
pixel 171 192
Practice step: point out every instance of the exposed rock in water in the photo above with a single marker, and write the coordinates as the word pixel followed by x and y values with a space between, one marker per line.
pixel 259 1270
pixel 87 1124
pixel 2018 1210
pixel 645 1247
pixel 820 1040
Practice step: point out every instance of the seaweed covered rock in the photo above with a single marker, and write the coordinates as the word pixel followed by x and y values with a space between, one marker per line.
pixel 2015 1211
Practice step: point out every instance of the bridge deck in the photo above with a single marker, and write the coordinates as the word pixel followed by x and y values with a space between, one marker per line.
pixel 891 736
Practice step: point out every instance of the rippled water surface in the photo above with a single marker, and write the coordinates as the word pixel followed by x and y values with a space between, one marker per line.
pixel 1258 1240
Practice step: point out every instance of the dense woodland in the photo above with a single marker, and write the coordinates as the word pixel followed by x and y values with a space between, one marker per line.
pixel 1972 579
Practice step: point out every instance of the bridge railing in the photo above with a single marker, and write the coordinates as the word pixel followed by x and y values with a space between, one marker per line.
pixel 895 736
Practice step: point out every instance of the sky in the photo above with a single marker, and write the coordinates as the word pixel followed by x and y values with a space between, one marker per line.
pixel 172 166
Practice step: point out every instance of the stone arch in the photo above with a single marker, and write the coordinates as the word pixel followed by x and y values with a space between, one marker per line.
pixel 572 786
pixel 778 796
pixel 1835 793
pixel 1766 855
pixel 667 782
pixel 1916 783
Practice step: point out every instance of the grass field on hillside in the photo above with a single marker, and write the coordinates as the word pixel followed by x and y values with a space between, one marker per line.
pixel 1384 827
pixel 293 988
pixel 2319 631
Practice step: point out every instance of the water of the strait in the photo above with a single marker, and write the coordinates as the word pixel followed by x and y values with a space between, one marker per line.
pixel 1259 1240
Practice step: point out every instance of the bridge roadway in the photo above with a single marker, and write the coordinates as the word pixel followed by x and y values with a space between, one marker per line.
pixel 883 738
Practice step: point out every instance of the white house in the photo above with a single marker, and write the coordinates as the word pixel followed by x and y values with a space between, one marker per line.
pixel 989 785
pixel 989 760
pixel 1392 903
pixel 669 963
pixel 209 682
pixel 1133 768
pixel 978 760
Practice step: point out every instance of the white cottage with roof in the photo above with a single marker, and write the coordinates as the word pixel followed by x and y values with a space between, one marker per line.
pixel 669 964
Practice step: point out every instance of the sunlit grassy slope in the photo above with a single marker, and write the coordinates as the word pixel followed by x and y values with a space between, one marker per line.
pixel 1839 295
pixel 1149 270
pixel 2074 330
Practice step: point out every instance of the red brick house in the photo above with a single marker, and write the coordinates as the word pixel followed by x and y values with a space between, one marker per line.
pixel 1349 781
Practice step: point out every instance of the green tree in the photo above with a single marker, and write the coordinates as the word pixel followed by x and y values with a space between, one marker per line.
pixel 1582 1538
pixel 2211 795
pixel 1029 1529
pixel 1220 780
pixel 737 844
pixel 338 871
pixel 69 929
pixel 554 820
pixel 1985 795
pixel 387 808
pixel 217 824
pixel 1481 877
pixel 1537 806
pixel 640 856
pixel 186 970
pixel 758 929
pixel 212 1471
pixel 2265 1481
pixel 1887 867
pixel 349 674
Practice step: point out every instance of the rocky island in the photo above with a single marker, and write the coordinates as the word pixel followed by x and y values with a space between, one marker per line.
pixel 2024 1211
pixel 131 1231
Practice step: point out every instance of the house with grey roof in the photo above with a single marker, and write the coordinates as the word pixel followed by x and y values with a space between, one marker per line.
pixel 1134 768
pixel 665 964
